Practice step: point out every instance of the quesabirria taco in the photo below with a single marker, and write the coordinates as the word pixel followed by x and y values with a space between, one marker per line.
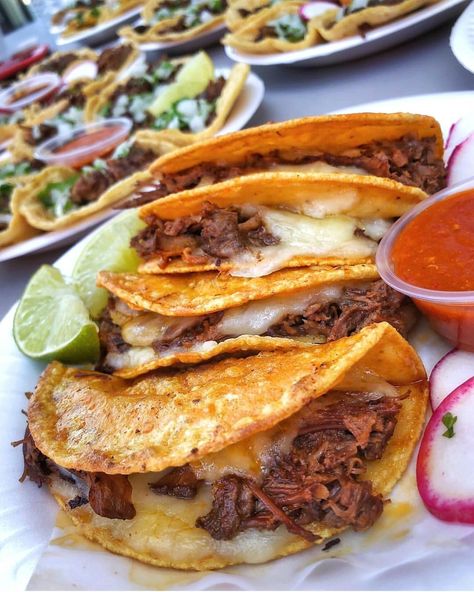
pixel 154 321
pixel 236 461
pixel 252 226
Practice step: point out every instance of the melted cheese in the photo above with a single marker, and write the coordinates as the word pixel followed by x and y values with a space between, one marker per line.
pixel 333 236
pixel 319 166
pixel 253 318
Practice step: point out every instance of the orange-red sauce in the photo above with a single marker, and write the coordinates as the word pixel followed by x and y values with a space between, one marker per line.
pixel 436 249
pixel 96 141
pixel 25 92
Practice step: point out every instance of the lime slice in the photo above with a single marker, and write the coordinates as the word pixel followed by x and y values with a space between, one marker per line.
pixel 109 249
pixel 191 80
pixel 52 323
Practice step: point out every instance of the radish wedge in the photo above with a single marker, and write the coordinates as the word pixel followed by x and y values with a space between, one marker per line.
pixel 312 9
pixel 460 161
pixel 458 132
pixel 85 69
pixel 450 372
pixel 444 467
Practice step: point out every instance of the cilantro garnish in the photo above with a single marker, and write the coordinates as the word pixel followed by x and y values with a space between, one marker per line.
pixel 449 420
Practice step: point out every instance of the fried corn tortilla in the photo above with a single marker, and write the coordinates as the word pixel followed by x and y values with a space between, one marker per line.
pixel 156 321
pixel 407 148
pixel 86 18
pixel 170 28
pixel 18 228
pixel 43 215
pixel 332 28
pixel 224 419
pixel 278 28
pixel 254 225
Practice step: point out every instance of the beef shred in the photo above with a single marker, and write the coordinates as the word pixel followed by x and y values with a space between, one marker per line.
pixel 113 58
pixel 213 233
pixel 108 495
pixel 318 480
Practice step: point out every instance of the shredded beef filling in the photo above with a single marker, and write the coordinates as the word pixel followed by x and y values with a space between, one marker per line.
pixel 214 233
pixel 58 64
pixel 113 58
pixel 91 185
pixel 409 160
pixel 109 496
pixel 318 480
pixel 357 308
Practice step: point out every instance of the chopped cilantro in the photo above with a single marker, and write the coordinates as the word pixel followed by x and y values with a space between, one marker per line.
pixel 14 170
pixel 56 197
pixel 449 420
pixel 6 190
pixel 105 110
pixel 290 27
pixel 95 12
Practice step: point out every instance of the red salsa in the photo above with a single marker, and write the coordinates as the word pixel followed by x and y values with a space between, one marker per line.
pixel 436 249
pixel 97 143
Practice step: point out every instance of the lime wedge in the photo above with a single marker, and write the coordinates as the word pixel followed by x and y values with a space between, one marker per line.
pixel 108 250
pixel 52 323
pixel 191 80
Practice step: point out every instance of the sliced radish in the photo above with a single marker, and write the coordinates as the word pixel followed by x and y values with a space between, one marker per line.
pixel 458 132
pixel 311 9
pixel 460 163
pixel 450 372
pixel 444 467
pixel 80 70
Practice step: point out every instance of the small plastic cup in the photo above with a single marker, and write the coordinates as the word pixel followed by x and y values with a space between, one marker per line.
pixel 84 144
pixel 29 91
pixel 450 313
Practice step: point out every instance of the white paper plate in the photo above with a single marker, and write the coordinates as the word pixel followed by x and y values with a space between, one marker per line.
pixel 244 108
pixel 200 41
pixel 462 38
pixel 408 549
pixel 101 33
pixel 357 46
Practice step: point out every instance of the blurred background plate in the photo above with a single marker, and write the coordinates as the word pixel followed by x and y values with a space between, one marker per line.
pixel 462 39
pixel 355 47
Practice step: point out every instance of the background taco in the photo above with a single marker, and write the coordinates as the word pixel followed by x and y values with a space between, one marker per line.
pixel 177 20
pixel 58 196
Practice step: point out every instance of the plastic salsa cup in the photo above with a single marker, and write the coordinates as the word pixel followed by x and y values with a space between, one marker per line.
pixel 450 312
pixel 84 144
pixel 24 93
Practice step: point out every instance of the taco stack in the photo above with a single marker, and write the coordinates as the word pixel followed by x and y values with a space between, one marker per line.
pixel 255 394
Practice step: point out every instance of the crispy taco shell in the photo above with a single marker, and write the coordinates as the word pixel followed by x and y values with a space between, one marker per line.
pixel 353 195
pixel 93 422
pixel 39 217
pixel 247 37
pixel 333 134
pixel 107 12
pixel 373 16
